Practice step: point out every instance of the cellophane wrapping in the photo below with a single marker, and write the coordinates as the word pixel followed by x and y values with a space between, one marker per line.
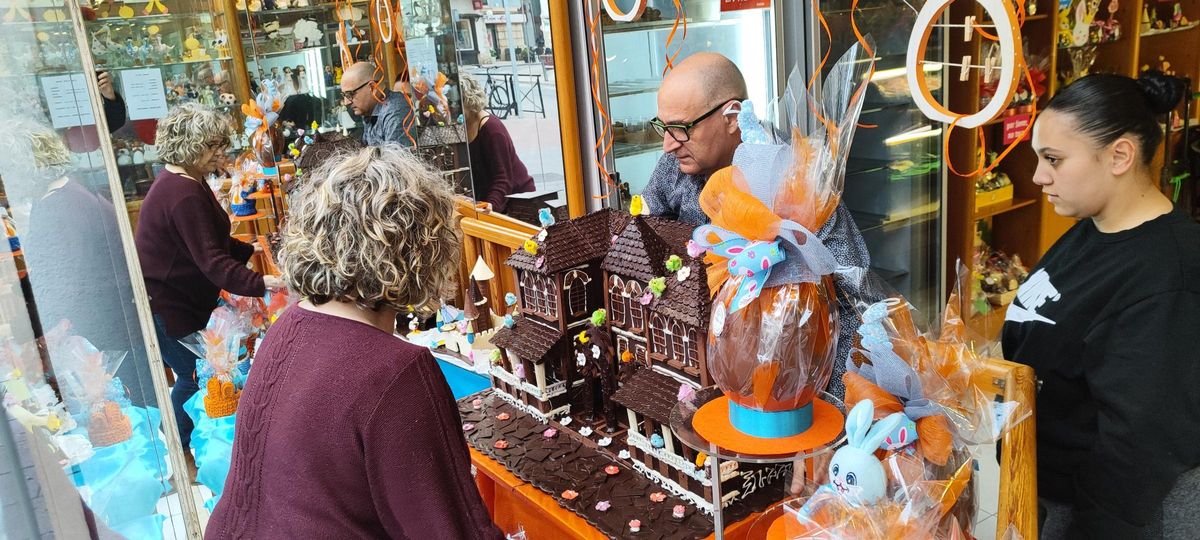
pixel 778 352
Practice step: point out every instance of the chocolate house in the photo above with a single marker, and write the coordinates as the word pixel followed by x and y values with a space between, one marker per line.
pixel 652 344
pixel 558 292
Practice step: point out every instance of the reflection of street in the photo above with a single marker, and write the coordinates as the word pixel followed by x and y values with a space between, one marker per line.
pixel 538 140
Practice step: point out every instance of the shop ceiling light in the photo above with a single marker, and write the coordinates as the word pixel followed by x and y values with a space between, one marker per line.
pixel 909 136
pixel 885 74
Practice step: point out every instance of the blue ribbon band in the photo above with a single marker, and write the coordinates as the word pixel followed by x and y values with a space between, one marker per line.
pixel 768 424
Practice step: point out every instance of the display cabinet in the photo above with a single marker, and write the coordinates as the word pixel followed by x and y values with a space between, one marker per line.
pixel 161 53
pixel 634 59
pixel 894 172
pixel 88 428
pixel 296 49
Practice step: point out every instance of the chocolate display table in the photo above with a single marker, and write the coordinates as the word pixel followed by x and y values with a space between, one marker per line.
pixel 524 479
pixel 684 428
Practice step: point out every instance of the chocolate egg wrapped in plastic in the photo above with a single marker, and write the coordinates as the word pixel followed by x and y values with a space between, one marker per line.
pixel 773 334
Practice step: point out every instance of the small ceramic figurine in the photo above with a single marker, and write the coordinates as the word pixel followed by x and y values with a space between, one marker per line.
pixel 1176 15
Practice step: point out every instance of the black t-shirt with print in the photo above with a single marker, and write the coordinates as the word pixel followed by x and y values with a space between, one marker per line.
pixel 1111 325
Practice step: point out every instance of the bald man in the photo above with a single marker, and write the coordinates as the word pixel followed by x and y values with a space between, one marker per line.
pixel 698 104
pixel 383 122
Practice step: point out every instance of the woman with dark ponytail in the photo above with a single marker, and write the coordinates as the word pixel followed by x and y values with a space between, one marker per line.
pixel 1110 317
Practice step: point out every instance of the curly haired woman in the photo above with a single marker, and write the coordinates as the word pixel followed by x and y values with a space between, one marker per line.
pixel 345 431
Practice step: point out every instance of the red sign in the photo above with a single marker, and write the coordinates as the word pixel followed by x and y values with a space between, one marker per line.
pixel 1014 126
pixel 477 4
pixel 738 5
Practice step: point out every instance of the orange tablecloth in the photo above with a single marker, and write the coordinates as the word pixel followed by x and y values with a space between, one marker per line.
pixel 515 503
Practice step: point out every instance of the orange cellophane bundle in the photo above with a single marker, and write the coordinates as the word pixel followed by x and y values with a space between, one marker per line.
pixel 777 352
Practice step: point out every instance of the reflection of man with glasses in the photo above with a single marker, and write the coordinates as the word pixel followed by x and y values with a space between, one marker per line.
pixel 390 120
pixel 698 104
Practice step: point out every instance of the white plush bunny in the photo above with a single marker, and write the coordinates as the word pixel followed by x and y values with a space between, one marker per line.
pixel 854 470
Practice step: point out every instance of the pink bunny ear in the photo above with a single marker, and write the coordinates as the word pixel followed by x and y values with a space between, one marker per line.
pixel 881 430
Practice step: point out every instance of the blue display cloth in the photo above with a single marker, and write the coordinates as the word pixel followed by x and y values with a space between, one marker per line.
pixel 123 483
pixel 212 445
pixel 462 382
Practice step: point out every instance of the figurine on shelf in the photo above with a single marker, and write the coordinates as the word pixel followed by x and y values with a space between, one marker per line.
pixel 1085 13
pixel 220 43
pixel 130 50
pixel 308 32
pixel 208 97
pixel 1145 25
pixel 1177 15
pixel 155 4
pixel 161 52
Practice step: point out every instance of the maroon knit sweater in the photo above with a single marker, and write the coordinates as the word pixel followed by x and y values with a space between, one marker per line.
pixel 496 169
pixel 186 253
pixel 344 431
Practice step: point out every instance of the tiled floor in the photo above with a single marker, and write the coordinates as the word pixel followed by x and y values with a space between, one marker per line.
pixel 173 528
pixel 988 491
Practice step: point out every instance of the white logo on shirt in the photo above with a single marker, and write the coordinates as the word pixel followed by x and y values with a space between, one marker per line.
pixel 1032 295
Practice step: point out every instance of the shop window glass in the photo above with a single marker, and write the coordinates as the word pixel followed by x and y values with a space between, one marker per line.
pixel 75 370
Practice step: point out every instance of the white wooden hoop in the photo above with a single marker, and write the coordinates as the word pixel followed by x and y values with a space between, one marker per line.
pixel 617 15
pixel 1005 25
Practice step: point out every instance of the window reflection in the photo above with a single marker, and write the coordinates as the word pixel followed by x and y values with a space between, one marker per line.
pixel 504 47
pixel 73 365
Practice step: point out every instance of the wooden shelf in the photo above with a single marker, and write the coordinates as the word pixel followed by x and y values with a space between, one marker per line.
pixel 1006 206
pixel 1165 31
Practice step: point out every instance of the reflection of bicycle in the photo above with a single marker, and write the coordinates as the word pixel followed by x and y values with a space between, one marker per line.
pixel 500 101
pixel 501 91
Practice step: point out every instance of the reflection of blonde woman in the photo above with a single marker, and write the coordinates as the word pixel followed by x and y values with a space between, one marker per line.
pixel 496 169
pixel 183 242
pixel 343 430
pixel 73 253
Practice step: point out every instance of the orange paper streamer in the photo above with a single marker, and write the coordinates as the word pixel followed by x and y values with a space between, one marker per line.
pixel 680 18
pixel 604 138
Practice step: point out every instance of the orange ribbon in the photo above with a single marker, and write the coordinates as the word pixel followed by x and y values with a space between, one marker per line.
pixel 604 141
pixel 680 17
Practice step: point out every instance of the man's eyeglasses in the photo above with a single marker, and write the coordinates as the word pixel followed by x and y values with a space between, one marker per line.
pixel 348 95
pixel 219 145
pixel 683 132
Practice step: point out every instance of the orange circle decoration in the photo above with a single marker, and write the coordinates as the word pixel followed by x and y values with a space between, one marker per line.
pixel 712 422
pixel 614 11
pixel 786 526
pixel 1008 34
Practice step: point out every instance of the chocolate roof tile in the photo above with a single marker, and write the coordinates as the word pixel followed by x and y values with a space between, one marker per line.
pixel 674 234
pixel 638 252
pixel 688 301
pixel 327 146
pixel 650 394
pixel 569 243
pixel 529 340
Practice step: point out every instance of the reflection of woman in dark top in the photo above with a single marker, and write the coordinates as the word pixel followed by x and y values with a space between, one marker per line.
pixel 77 268
pixel 495 167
